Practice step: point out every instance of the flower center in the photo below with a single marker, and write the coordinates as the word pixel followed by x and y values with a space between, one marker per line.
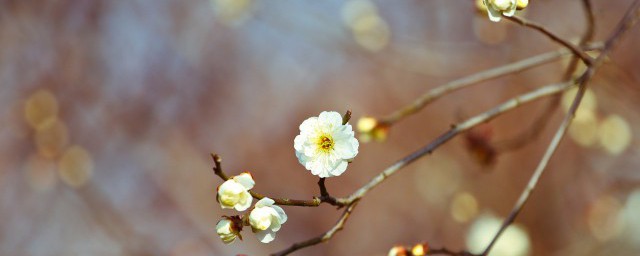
pixel 325 143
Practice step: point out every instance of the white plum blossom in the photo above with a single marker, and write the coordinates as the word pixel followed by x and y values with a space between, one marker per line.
pixel 497 8
pixel 228 229
pixel 266 219
pixel 234 193
pixel 325 146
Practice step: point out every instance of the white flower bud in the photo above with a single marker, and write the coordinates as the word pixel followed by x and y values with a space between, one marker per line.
pixel 234 193
pixel 497 8
pixel 228 229
pixel 325 145
pixel 266 219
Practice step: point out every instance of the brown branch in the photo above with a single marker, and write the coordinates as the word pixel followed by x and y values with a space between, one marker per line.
pixel 630 18
pixel 476 78
pixel 445 251
pixel 323 237
pixel 540 123
pixel 316 201
pixel 574 49
pixel 354 198
pixel 455 130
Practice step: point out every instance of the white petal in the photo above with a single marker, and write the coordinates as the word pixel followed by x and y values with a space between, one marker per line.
pixel 494 15
pixel 344 149
pixel 510 12
pixel 266 236
pixel 331 118
pixel 302 158
pixel 298 142
pixel 282 216
pixel 275 224
pixel 245 180
pixel 245 202
pixel 265 202
pixel 308 125
pixel 318 169
pixel 339 169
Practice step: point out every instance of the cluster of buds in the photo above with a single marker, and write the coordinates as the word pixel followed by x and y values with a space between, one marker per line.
pixel 265 218
pixel 417 250
pixel 496 8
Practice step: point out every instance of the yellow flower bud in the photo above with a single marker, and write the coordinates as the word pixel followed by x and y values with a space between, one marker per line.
pixel 521 4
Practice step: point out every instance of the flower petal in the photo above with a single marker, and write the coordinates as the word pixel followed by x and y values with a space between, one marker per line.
pixel 265 202
pixel 343 149
pixel 244 202
pixel 330 118
pixel 510 12
pixel 282 216
pixel 245 180
pixel 298 142
pixel 275 224
pixel 339 169
pixel 308 125
pixel 494 15
pixel 266 236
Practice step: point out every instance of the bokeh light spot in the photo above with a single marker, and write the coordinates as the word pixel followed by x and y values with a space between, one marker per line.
pixel 39 107
pixel 51 137
pixel 75 166
pixel 464 207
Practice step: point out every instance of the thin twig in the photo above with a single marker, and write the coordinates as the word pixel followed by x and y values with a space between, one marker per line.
pixel 541 121
pixel 476 78
pixel 574 49
pixel 323 237
pixel 316 201
pixel 445 251
pixel 630 18
pixel 354 198
pixel 455 130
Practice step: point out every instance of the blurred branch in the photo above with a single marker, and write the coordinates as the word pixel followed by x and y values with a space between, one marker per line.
pixel 479 77
pixel 574 49
pixel 323 237
pixel 630 18
pixel 540 123
pixel 354 198
pixel 455 130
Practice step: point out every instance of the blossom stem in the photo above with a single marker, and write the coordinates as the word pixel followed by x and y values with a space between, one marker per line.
pixel 316 201
pixel 346 117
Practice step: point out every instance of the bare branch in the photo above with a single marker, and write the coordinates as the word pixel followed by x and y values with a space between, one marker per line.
pixel 323 237
pixel 476 78
pixel 316 201
pixel 574 49
pixel 540 122
pixel 630 18
pixel 455 130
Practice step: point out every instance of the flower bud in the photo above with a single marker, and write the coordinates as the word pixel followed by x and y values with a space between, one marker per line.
pixel 371 129
pixel 398 250
pixel 228 228
pixel 265 219
pixel 420 249
pixel 521 4
pixel 234 193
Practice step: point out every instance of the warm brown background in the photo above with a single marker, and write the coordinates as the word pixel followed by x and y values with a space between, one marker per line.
pixel 147 88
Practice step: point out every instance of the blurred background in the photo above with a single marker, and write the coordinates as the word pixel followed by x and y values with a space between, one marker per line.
pixel 109 111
